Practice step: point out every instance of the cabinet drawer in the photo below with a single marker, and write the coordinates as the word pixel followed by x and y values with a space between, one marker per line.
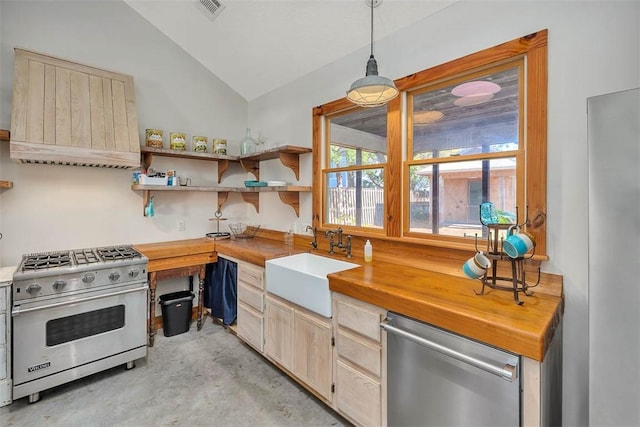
pixel 250 326
pixel 358 396
pixel 359 317
pixel 359 352
pixel 251 296
pixel 251 275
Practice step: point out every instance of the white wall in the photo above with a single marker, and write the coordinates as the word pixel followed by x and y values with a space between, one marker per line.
pixel 593 49
pixel 64 207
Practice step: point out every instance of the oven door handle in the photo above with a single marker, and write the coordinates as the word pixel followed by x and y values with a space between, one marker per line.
pixel 17 310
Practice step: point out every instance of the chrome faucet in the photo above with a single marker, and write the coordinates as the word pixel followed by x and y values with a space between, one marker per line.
pixel 314 243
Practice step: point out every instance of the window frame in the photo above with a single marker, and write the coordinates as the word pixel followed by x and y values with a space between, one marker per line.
pixel 328 169
pixel 518 63
pixel 533 48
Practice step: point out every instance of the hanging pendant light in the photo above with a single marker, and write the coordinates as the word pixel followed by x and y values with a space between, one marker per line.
pixel 372 90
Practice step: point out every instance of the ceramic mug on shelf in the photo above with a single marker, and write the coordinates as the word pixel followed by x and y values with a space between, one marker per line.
pixel 517 244
pixel 476 266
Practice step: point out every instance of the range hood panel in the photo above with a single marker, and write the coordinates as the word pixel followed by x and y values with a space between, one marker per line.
pixel 72 114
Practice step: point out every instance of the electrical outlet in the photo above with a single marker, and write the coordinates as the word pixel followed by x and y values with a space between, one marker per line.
pixel 180 225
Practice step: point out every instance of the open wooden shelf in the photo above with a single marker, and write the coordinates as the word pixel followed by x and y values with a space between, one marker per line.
pixel 289 194
pixel 288 155
pixel 147 154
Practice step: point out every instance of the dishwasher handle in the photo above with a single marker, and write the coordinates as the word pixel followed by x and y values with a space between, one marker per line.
pixel 507 372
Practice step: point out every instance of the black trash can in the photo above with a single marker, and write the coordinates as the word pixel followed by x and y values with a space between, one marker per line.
pixel 176 312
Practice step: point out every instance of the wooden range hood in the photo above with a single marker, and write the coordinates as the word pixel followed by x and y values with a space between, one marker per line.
pixel 72 114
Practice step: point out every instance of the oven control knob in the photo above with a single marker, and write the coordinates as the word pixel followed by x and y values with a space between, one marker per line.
pixel 134 273
pixel 59 284
pixel 114 276
pixel 88 278
pixel 33 288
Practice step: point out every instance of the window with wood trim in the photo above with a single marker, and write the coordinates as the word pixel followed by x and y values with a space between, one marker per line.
pixel 467 131
pixel 354 168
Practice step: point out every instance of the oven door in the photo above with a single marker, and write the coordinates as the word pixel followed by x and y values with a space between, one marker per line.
pixel 57 335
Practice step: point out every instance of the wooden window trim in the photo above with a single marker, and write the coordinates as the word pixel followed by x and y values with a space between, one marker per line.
pixel 534 46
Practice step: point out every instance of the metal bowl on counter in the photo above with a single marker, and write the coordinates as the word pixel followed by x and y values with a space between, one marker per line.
pixel 240 230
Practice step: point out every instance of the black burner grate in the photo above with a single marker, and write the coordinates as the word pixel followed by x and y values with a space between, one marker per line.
pixel 117 252
pixel 46 260
pixel 85 256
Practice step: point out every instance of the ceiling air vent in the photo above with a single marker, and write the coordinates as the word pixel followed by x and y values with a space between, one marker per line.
pixel 210 8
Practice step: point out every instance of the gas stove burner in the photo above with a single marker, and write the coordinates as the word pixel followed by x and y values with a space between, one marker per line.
pixel 85 256
pixel 46 260
pixel 117 252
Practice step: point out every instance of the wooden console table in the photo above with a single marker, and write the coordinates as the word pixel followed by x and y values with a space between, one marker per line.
pixel 174 259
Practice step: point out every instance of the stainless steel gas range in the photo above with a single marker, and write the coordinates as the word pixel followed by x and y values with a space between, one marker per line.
pixel 76 313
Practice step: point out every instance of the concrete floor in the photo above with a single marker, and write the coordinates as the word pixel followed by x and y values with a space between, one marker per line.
pixel 206 378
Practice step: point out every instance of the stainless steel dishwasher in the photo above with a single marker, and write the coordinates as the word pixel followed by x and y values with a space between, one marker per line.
pixel 436 378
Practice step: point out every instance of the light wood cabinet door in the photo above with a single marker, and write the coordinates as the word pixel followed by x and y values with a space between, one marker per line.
pixel 312 359
pixel 68 112
pixel 250 326
pixel 358 396
pixel 279 332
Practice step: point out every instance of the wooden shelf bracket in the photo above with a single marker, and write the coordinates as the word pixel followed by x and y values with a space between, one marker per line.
pixel 292 161
pixel 253 198
pixel 222 198
pixel 252 166
pixel 291 198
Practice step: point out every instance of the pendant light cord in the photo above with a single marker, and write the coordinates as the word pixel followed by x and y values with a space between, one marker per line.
pixel 372 1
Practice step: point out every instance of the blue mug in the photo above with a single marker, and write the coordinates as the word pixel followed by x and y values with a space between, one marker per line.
pixel 516 245
pixel 476 266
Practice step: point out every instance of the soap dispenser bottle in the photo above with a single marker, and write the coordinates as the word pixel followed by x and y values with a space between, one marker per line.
pixel 368 252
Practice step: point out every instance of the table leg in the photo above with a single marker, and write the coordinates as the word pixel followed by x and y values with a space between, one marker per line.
pixel 153 280
pixel 201 295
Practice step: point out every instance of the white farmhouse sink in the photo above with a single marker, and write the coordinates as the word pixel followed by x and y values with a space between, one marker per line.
pixel 302 279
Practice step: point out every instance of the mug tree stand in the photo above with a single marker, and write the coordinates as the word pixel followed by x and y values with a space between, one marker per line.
pixel 515 283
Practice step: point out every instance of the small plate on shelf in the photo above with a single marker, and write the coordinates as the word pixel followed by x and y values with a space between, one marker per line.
pixel 276 183
pixel 255 184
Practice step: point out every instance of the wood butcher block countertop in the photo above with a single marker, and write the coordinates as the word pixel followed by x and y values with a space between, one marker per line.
pixel 439 299
pixel 177 253
pixel 256 251
pixel 449 302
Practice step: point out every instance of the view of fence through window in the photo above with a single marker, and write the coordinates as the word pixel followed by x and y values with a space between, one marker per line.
pixel 464 145
pixel 463 149
pixel 354 181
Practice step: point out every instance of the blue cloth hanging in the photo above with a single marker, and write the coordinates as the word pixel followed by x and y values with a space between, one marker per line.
pixel 220 290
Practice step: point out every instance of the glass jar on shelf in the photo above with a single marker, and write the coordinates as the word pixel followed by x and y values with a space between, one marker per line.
pixel 248 144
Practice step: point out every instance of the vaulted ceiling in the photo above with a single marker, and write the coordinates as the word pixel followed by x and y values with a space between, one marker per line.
pixel 256 46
